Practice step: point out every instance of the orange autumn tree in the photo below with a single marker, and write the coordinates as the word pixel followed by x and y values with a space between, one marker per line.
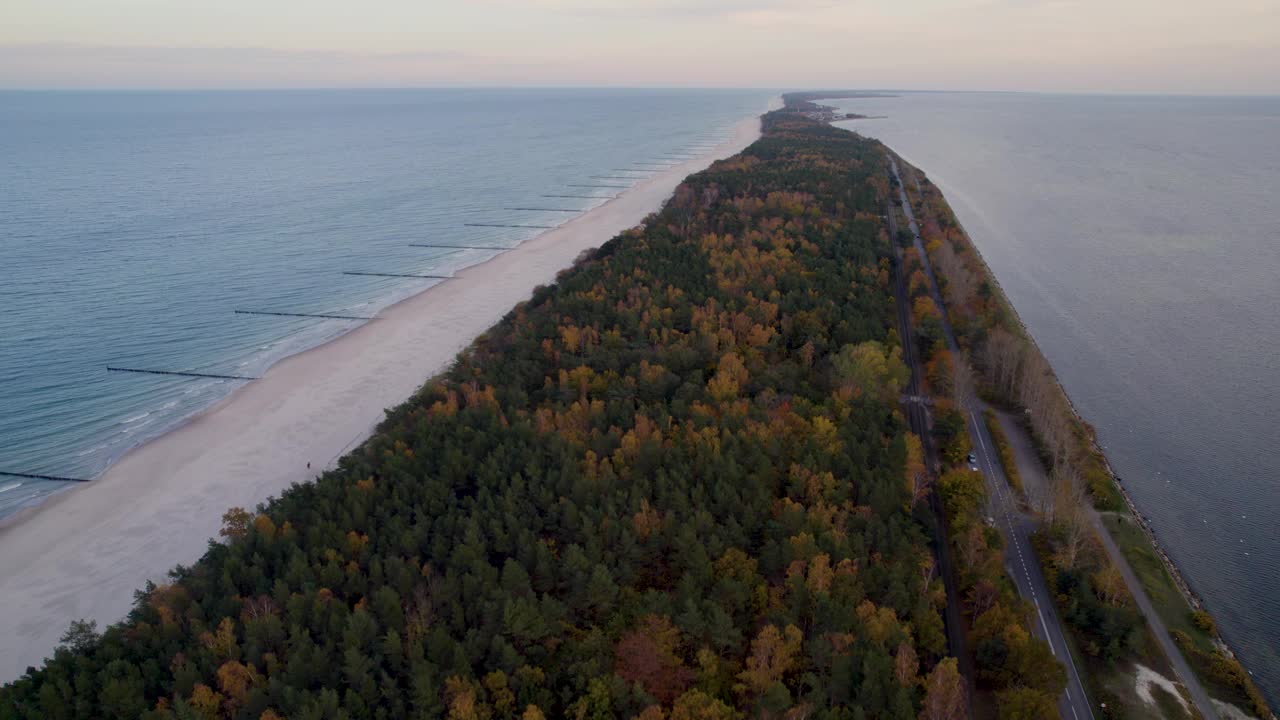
pixel 650 655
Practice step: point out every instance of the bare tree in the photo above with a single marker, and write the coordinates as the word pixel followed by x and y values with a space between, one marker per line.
pixel 1069 516
pixel 961 286
pixel 1065 493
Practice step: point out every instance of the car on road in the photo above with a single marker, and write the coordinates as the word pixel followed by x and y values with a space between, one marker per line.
pixel 973 461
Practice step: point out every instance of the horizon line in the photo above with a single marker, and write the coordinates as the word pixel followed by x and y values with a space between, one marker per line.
pixel 691 88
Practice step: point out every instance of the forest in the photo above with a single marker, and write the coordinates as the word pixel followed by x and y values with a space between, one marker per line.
pixel 1017 675
pixel 675 484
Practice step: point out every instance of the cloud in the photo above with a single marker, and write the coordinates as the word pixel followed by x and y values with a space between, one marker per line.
pixel 965 44
pixel 710 9
pixel 150 53
pixel 103 66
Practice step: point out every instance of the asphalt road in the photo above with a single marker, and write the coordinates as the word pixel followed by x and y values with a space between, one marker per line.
pixel 1016 527
pixel 1036 483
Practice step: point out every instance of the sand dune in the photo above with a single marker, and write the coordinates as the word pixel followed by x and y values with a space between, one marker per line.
pixel 84 552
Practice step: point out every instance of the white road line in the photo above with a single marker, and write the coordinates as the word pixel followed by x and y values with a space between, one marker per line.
pixel 974 415
pixel 1047 637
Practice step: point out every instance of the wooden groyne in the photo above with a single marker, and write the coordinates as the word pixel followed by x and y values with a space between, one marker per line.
pixel 401 275
pixel 505 225
pixel 305 315
pixel 460 247
pixel 568 210
pixel 36 476
pixel 180 373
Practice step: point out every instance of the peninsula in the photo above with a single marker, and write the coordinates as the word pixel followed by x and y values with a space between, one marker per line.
pixel 673 483
pixel 734 462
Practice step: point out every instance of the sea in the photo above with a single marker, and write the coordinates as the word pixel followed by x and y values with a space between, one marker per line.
pixel 1139 239
pixel 138 230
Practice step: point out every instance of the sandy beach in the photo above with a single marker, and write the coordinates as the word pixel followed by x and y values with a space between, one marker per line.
pixel 83 553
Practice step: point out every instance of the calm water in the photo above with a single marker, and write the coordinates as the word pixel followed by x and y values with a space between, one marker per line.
pixel 1139 238
pixel 134 225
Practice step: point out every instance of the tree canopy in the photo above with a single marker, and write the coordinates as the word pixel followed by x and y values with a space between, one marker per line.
pixel 671 485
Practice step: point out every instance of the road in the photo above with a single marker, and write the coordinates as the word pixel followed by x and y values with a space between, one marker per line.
pixel 1036 481
pixel 1016 527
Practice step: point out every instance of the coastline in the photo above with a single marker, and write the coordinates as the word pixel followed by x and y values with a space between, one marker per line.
pixel 1182 583
pixel 1179 581
pixel 1138 518
pixel 84 551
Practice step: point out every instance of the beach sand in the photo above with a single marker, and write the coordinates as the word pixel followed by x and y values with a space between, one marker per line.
pixel 85 551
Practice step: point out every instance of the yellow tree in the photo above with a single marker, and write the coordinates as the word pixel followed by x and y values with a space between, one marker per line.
pixel 460 695
pixel 1110 585
pixel 944 697
pixel 205 701
pixel 235 523
pixel 697 705
pixel 235 680
pixel 731 375
pixel 773 653
pixel 870 369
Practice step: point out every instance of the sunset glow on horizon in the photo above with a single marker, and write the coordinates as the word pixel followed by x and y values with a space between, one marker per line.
pixel 1047 45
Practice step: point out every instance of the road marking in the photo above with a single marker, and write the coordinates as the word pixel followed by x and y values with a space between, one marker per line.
pixel 973 415
pixel 1047 637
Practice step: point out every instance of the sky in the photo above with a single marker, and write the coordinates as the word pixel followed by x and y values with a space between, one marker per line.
pixel 1158 46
